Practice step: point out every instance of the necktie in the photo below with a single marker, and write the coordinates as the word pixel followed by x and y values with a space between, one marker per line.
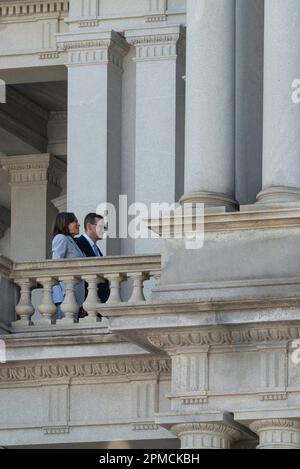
pixel 95 249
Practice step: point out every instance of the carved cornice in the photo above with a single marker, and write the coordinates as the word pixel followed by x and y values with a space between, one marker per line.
pixel 106 368
pixel 33 8
pixel 220 336
pixel 34 169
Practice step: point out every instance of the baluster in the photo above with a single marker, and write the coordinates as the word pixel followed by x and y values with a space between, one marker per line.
pixel 92 301
pixel 115 284
pixel 47 308
pixel 69 306
pixel 24 308
pixel 138 284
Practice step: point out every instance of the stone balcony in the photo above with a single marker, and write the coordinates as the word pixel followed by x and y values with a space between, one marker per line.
pixel 208 358
pixel 133 270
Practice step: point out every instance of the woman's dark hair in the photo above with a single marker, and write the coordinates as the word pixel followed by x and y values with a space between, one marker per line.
pixel 62 222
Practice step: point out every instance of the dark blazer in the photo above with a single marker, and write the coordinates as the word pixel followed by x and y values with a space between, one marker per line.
pixel 86 248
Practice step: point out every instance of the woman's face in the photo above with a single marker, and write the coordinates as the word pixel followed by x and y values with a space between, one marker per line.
pixel 73 227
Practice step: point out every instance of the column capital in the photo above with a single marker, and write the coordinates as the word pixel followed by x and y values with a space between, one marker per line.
pixel 93 47
pixel 212 435
pixel 277 433
pixel 34 169
pixel 158 43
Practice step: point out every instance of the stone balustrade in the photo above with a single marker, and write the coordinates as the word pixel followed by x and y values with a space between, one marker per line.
pixel 44 275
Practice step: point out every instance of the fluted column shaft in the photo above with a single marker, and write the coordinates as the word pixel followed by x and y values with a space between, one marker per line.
pixel 210 103
pixel 281 147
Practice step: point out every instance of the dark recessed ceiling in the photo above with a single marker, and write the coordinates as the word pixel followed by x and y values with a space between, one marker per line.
pixel 52 96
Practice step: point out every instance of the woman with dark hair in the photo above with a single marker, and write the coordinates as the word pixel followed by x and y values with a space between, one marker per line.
pixel 66 226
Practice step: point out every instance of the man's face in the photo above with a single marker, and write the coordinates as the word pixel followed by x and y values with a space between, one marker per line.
pixel 100 228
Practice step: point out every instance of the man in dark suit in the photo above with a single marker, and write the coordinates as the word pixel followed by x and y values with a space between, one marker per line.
pixel 94 228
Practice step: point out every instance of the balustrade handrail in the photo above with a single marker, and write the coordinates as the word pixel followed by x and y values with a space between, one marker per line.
pixel 86 266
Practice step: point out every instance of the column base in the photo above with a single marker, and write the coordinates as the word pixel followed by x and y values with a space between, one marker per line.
pixel 279 197
pixel 213 201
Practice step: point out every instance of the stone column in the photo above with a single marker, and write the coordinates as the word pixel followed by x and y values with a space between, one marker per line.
pixel 159 131
pixel 205 435
pixel 94 120
pixel 281 142
pixel 210 103
pixel 277 433
pixel 35 181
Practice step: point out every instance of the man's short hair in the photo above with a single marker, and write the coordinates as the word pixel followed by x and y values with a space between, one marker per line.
pixel 90 218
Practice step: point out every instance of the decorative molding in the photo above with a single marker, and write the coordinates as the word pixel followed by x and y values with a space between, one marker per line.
pixel 84 44
pixel 34 169
pixel 88 23
pixel 220 336
pixel 155 18
pixel 193 400
pixel 33 8
pixel 263 425
pixel 145 427
pixel 273 396
pixel 56 430
pixel 105 368
pixel 49 55
pixel 181 428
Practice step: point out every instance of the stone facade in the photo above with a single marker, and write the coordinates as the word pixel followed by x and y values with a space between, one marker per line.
pixel 164 101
